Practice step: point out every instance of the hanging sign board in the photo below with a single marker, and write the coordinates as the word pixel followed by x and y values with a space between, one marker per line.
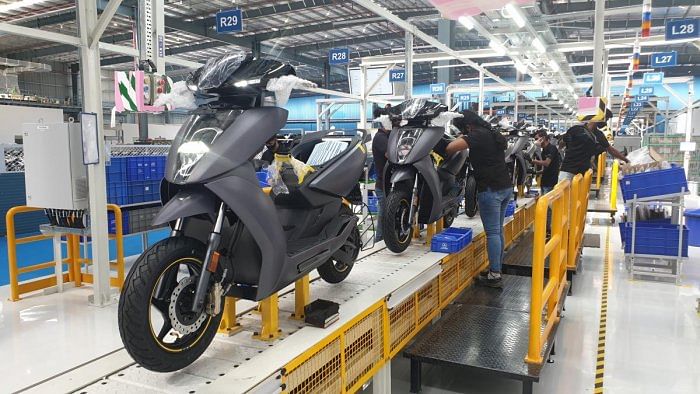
pixel 397 75
pixel 338 56
pixel 653 78
pixel 463 98
pixel 646 90
pixel 437 88
pixel 641 98
pixel 664 59
pixel 230 21
pixel 681 29
pixel 688 146
pixel 500 112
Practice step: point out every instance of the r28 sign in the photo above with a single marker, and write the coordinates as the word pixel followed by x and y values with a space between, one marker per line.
pixel 339 56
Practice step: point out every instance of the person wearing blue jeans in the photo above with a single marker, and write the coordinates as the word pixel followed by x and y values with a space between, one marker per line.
pixel 493 183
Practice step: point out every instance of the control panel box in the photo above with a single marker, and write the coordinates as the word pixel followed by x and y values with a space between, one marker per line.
pixel 54 173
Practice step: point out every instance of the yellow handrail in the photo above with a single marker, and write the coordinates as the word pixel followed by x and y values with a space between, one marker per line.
pixel 601 168
pixel 556 249
pixel 613 185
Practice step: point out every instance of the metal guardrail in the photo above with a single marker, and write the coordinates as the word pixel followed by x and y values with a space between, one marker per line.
pixel 74 260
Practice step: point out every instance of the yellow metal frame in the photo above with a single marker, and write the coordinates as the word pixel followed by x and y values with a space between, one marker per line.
pixel 556 249
pixel 580 185
pixel 600 170
pixel 229 325
pixel 406 320
pixel 74 261
pixel 302 296
pixel 614 184
pixel 269 312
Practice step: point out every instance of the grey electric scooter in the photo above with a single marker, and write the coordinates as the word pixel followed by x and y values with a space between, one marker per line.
pixel 229 236
pixel 423 186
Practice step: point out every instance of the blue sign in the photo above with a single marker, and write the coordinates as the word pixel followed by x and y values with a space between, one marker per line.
pixel 230 21
pixel 521 116
pixel 338 56
pixel 437 88
pixel 664 59
pixel 397 75
pixel 680 29
pixel 500 112
pixel 463 98
pixel 637 105
pixel 486 103
pixel 646 90
pixel 641 98
pixel 652 78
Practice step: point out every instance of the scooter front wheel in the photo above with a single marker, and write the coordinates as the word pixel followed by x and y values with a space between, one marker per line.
pixel 156 323
pixel 470 202
pixel 397 225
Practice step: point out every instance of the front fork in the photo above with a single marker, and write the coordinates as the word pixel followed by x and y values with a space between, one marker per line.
pixel 414 202
pixel 208 268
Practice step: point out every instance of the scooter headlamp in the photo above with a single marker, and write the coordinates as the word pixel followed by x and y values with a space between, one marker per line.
pixel 190 152
pixel 407 140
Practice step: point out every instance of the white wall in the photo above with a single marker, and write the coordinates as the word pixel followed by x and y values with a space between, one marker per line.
pixel 167 131
pixel 13 117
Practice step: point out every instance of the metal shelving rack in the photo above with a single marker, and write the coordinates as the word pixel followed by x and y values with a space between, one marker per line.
pixel 657 265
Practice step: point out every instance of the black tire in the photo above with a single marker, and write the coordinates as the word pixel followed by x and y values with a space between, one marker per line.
pixel 338 267
pixel 163 261
pixel 448 219
pixel 471 205
pixel 396 225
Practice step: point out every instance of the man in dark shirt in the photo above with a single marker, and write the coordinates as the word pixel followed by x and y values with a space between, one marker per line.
pixel 380 143
pixel 582 143
pixel 272 146
pixel 550 161
pixel 494 187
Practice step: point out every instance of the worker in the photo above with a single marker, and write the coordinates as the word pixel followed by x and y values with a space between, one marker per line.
pixel 380 142
pixel 494 188
pixel 550 161
pixel 272 146
pixel 582 142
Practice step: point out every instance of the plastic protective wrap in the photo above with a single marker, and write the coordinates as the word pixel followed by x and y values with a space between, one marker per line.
pixel 642 156
pixel 179 97
pixel 385 121
pixel 277 168
pixel 283 86
pixel 445 118
pixel 217 70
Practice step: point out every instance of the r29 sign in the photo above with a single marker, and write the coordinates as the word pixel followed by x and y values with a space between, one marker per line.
pixel 229 21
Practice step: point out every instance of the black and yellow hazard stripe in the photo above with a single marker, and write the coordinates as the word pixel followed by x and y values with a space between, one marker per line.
pixel 599 115
pixel 603 326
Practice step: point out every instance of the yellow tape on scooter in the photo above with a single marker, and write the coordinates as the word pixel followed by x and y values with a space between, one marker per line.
pixel 303 170
pixel 436 158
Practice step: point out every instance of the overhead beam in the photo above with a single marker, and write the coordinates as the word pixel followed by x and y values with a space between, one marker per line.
pixel 39 34
pixel 103 21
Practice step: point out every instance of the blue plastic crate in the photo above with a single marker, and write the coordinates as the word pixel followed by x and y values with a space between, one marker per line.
pixel 116 170
pixel 262 178
pixel 118 193
pixel 653 183
pixel 143 191
pixel 372 204
pixel 510 210
pixel 112 223
pixel 692 220
pixel 451 240
pixel 654 239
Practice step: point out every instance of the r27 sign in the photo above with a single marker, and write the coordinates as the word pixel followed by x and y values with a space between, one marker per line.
pixel 397 75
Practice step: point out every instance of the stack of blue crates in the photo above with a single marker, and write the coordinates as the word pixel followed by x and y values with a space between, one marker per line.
pixel 510 209
pixel 451 240
pixel 654 238
pixel 654 183
pixel 134 179
pixel 112 223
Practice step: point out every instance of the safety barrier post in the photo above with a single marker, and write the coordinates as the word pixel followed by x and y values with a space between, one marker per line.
pixel 301 297
pixel 600 170
pixel 556 249
pixel 119 240
pixel 229 325
pixel 613 185
pixel 269 312
pixel 574 212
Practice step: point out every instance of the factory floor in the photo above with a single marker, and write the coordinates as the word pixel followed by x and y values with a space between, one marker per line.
pixel 653 335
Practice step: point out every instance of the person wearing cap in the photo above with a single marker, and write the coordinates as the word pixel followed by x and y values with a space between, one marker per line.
pixel 494 187
pixel 582 142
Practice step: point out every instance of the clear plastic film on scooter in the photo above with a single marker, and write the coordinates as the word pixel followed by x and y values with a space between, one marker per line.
pixel 280 166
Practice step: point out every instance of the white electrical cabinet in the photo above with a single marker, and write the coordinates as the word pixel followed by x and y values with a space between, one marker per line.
pixel 54 173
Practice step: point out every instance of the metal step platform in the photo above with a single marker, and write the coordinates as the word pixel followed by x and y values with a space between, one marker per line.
pixel 485 330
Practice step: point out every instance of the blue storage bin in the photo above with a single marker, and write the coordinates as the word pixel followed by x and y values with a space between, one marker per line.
pixel 144 191
pixel 372 204
pixel 692 220
pixel 112 223
pixel 510 210
pixel 653 183
pixel 451 241
pixel 262 178
pixel 118 193
pixel 654 238
pixel 116 170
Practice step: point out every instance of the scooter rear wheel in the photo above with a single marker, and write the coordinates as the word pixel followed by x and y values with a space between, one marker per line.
pixel 156 324
pixel 470 202
pixel 396 222
pixel 334 270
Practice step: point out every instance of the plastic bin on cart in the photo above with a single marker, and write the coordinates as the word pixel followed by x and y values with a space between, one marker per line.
pixel 653 183
pixel 654 239
pixel 510 210
pixel 451 240
pixel 372 204
pixel 692 221
pixel 112 223
pixel 262 178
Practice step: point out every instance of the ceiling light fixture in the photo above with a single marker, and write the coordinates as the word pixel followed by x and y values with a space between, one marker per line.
pixel 537 43
pixel 467 22
pixel 554 65
pixel 522 69
pixel 19 4
pixel 498 47
pixel 554 96
pixel 570 89
pixel 515 14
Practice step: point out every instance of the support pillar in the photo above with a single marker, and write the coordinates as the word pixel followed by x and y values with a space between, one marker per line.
pixel 481 93
pixel 269 312
pixel 74 83
pixel 301 297
pixel 97 191
pixel 363 101
pixel 446 29
pixel 229 325
pixel 598 47
pixel 408 66
pixel 381 381
pixel 689 125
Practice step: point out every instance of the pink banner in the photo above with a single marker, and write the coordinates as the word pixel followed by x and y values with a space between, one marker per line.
pixel 453 9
